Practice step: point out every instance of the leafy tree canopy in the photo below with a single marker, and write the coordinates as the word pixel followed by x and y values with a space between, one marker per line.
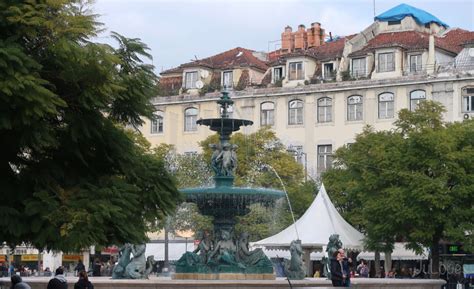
pixel 414 183
pixel 71 175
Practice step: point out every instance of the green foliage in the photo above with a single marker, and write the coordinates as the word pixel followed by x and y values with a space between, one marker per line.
pixel 211 87
pixel 255 153
pixel 188 218
pixel 413 184
pixel 71 175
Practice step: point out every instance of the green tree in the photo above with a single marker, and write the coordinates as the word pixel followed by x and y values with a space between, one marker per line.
pixel 414 183
pixel 71 176
pixel 258 154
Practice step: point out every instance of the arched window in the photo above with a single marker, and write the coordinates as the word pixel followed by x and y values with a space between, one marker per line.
pixel 295 112
pixel 386 105
pixel 325 109
pixel 190 118
pixel 416 96
pixel 354 108
pixel 267 113
pixel 157 122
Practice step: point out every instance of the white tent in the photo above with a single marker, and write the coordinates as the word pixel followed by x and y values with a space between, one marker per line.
pixel 399 253
pixel 320 221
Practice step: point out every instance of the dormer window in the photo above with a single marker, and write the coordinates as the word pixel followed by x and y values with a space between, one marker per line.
pixel 277 74
pixel 415 63
pixel 386 62
pixel 296 71
pixel 227 79
pixel 358 67
pixel 190 79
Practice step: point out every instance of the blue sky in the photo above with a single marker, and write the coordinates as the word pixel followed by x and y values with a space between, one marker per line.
pixel 178 31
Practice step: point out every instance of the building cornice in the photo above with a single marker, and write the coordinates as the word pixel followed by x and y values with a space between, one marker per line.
pixel 308 89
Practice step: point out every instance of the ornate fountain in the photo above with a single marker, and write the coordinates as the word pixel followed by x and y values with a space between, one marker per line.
pixel 225 256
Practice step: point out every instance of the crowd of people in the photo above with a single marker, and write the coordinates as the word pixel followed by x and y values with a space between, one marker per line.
pixel 59 281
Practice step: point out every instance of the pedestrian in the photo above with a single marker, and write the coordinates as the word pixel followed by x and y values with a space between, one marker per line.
pixel 17 283
pixel 363 269
pixel 83 282
pixel 340 271
pixel 96 268
pixel 80 267
pixel 59 281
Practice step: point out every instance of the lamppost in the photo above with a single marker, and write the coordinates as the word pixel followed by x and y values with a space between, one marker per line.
pixel 186 234
pixel 298 153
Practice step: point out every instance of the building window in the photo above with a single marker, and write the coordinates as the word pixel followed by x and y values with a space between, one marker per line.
pixel 157 122
pixel 295 112
pixel 298 153
pixel 227 79
pixel 386 104
pixel 230 110
pixel 324 157
pixel 190 79
pixel 328 71
pixel 325 109
pixel 358 67
pixel 416 97
pixel 267 113
pixel 468 100
pixel 190 118
pixel 354 108
pixel 396 22
pixel 415 63
pixel 296 71
pixel 277 74
pixel 386 62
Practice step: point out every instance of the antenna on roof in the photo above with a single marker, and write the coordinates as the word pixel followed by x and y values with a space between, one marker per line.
pixel 374 8
pixel 197 58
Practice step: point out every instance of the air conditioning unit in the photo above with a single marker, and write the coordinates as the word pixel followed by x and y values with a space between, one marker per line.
pixel 466 116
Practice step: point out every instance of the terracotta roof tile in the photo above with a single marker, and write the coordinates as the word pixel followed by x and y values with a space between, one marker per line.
pixel 410 40
pixel 237 57
pixel 172 70
pixel 454 39
pixel 331 50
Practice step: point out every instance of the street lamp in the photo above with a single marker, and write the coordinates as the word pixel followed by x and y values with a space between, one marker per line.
pixel 186 234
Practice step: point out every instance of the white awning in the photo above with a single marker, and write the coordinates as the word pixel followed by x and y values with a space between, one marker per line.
pixel 399 253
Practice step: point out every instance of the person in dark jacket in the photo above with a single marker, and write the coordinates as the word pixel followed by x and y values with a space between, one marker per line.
pixel 340 275
pixel 17 283
pixel 59 281
pixel 80 267
pixel 83 282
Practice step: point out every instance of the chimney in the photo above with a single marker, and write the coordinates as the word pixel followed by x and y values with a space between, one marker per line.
pixel 315 35
pixel 431 62
pixel 287 40
pixel 301 38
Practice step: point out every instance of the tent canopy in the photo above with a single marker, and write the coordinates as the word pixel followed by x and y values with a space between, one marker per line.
pixel 403 10
pixel 400 252
pixel 320 221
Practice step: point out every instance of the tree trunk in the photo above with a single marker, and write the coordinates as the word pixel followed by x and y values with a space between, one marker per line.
pixel 388 262
pixel 377 263
pixel 435 257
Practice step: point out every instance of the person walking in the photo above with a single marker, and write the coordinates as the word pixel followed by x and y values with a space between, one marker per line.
pixel 83 282
pixel 79 267
pixel 59 281
pixel 17 283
